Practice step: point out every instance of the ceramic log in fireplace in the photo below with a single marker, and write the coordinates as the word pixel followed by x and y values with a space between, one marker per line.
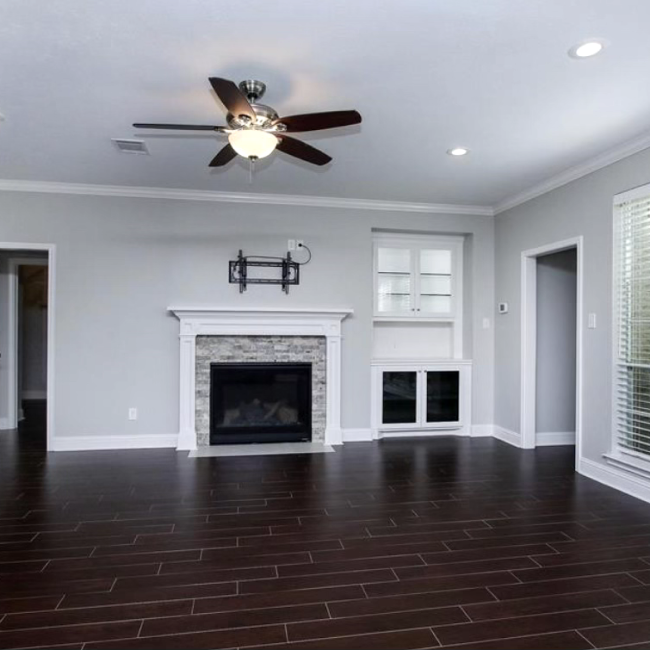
pixel 260 402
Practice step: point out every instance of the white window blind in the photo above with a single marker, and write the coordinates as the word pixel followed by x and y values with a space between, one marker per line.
pixel 632 305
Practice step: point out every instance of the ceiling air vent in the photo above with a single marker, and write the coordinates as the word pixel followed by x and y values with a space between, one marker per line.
pixel 131 146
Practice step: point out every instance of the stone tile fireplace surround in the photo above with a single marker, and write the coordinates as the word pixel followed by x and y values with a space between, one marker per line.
pixel 210 334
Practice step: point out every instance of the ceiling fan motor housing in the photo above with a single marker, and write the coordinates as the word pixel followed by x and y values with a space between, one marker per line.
pixel 264 118
pixel 253 89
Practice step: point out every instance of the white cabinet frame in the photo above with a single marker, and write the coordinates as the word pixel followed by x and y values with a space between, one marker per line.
pixel 415 245
pixel 421 427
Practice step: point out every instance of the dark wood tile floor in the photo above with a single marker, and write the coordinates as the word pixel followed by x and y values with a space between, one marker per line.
pixel 445 543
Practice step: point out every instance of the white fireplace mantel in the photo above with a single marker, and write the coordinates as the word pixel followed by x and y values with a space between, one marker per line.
pixel 270 321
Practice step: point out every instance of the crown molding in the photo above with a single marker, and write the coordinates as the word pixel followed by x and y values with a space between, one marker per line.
pixel 241 197
pixel 609 157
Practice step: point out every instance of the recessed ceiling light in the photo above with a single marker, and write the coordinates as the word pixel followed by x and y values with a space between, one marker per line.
pixel 458 151
pixel 587 48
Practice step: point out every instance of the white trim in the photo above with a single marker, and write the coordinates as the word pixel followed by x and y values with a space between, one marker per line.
pixel 482 431
pixel 418 433
pixel 234 321
pixel 629 462
pixel 529 338
pixel 554 438
pixel 357 435
pixel 615 476
pixel 505 435
pixel 15 412
pixel 640 192
pixel 609 157
pixel 95 443
pixel 421 361
pixel 50 249
pixel 4 425
pixel 241 197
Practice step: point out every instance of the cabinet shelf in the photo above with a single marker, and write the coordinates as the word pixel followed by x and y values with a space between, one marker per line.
pixel 405 273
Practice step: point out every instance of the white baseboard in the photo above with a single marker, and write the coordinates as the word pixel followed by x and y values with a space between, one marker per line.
pixel 616 478
pixel 553 438
pixel 96 443
pixel 482 430
pixel 357 435
pixel 34 394
pixel 505 435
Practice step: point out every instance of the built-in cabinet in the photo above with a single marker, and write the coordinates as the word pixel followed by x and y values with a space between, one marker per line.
pixel 421 383
pixel 417 278
pixel 420 396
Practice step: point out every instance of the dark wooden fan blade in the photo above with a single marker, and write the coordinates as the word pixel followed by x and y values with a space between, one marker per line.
pixel 232 98
pixel 302 150
pixel 223 157
pixel 318 121
pixel 181 127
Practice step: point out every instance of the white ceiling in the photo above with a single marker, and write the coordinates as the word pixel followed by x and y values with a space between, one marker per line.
pixel 492 75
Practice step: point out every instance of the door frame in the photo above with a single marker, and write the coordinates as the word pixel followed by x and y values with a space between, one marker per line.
pixel 13 308
pixel 529 338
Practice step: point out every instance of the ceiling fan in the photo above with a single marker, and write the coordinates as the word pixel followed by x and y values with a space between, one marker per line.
pixel 255 130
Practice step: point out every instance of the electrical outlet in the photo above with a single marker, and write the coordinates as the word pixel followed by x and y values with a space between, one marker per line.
pixel 486 323
pixel 291 245
pixel 133 413
pixel 591 321
pixel 300 243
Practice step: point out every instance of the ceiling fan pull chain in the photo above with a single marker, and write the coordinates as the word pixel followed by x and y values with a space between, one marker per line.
pixel 250 170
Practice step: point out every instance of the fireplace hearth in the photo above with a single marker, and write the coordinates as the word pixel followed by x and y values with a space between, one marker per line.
pixel 260 402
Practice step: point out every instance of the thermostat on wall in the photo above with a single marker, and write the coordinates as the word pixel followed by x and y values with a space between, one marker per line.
pixel 503 307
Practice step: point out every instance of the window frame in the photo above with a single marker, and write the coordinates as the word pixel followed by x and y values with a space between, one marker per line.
pixel 620 456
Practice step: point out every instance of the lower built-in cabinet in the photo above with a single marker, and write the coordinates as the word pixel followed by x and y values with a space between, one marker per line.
pixel 421 397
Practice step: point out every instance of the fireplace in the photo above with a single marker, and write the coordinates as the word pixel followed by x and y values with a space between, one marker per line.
pixel 260 402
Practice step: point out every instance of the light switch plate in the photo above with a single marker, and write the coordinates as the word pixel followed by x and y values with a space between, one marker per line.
pixel 591 321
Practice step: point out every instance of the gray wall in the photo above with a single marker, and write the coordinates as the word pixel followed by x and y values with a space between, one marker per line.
pixel 583 207
pixel 556 342
pixel 122 261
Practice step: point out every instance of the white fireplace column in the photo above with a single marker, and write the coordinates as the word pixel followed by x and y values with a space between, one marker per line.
pixel 222 321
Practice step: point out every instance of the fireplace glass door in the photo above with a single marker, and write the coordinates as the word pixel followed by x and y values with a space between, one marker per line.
pixel 260 402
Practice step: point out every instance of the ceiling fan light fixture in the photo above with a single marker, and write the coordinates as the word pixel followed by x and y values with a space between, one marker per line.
pixel 253 143
pixel 458 151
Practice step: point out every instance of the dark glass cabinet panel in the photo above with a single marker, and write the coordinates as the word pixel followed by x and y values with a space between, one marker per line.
pixel 442 396
pixel 399 397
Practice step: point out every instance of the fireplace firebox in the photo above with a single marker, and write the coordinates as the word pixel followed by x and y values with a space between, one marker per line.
pixel 260 402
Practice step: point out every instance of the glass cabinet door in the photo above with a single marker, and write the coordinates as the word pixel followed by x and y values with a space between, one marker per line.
pixel 442 396
pixel 399 397
pixel 435 281
pixel 394 281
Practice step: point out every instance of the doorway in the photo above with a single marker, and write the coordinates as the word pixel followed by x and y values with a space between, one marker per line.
pixel 551 355
pixel 26 342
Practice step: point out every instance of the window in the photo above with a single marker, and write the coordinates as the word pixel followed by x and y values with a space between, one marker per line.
pixel 632 321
